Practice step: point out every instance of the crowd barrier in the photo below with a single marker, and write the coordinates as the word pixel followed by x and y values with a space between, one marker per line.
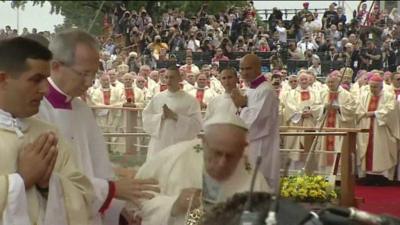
pixel 134 136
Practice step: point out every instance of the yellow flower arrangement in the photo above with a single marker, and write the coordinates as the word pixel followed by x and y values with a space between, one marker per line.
pixel 307 189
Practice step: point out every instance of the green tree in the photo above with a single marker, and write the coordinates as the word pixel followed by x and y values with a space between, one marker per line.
pixel 82 13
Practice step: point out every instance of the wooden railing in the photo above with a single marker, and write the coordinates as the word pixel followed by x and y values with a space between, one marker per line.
pixel 347 156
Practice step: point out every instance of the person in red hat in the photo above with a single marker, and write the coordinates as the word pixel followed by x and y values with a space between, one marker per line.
pixel 339 108
pixel 377 149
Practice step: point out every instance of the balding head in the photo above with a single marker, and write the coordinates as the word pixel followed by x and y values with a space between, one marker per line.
pixel 105 81
pixel 224 145
pixel 250 67
pixel 127 79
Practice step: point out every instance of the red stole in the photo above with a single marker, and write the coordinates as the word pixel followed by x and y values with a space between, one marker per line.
pixel 305 95
pixel 164 87
pixel 331 122
pixel 200 95
pixel 373 105
pixel 397 92
pixel 106 97
pixel 130 95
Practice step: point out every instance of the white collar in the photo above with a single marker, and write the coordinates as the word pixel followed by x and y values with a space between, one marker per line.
pixel 10 123
pixel 68 98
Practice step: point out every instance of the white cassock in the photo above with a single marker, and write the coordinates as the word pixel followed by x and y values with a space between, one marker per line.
pixel 221 103
pixel 377 151
pixel 166 132
pixel 149 84
pixel 187 86
pixel 343 117
pixel 135 95
pixel 205 95
pixel 106 118
pixel 262 117
pixel 156 89
pixel 181 166
pixel 77 125
pixel 216 85
pixel 296 101
pixel 70 192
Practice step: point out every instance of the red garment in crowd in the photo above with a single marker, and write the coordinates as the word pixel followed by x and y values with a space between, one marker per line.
pixel 373 105
pixel 130 95
pixel 106 97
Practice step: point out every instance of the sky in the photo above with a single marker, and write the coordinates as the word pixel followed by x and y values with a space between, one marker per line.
pixel 32 17
pixel 40 17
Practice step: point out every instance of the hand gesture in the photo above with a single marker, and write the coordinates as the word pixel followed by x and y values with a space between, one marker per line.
pixel 186 196
pixel 238 99
pixel 135 189
pixel 36 160
pixel 168 113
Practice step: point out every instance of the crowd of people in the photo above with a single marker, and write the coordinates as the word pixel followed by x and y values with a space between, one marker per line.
pixel 68 72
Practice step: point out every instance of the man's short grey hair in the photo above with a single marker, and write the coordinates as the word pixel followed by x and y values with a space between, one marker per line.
pixel 64 44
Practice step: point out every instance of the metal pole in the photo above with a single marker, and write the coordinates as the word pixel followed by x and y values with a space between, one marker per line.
pixel 398 8
pixel 17 19
pixel 97 14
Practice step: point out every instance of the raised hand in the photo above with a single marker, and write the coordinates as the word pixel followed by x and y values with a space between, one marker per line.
pixel 168 113
pixel 36 160
pixel 135 190
pixel 238 99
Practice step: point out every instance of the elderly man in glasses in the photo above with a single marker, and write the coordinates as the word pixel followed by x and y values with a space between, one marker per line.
pixel 75 63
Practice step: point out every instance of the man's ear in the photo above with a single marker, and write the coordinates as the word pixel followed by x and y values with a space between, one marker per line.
pixel 55 65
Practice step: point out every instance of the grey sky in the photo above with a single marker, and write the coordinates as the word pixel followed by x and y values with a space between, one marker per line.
pixel 40 18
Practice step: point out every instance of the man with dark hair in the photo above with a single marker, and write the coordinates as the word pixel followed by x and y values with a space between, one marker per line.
pixel 37 170
pixel 171 116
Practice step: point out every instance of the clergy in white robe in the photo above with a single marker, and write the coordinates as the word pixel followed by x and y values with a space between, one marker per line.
pixel 202 92
pixel 216 165
pixel 171 116
pixel 377 151
pixel 110 120
pixel 259 110
pixel 189 82
pixel 302 108
pixel 77 124
pixel 131 96
pixel 39 182
pixel 144 72
pixel 223 102
pixel 339 110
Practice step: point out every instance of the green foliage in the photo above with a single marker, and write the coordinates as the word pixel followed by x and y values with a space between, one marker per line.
pixel 82 13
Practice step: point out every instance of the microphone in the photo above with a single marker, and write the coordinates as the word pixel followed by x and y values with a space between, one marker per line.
pixel 338 215
pixel 248 217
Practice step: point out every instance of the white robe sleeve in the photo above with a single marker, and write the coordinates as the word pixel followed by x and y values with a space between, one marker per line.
pixel 190 124
pixel 259 115
pixel 152 120
pixel 13 202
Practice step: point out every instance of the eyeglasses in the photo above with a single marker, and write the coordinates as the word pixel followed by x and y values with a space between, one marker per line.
pixel 82 75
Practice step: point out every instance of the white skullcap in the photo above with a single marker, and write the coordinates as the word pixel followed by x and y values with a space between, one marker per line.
pixel 225 118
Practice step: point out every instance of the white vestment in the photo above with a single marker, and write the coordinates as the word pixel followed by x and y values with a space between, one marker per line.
pixel 77 125
pixel 70 192
pixel 262 117
pixel 181 166
pixel 208 94
pixel 166 132
pixel 221 103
